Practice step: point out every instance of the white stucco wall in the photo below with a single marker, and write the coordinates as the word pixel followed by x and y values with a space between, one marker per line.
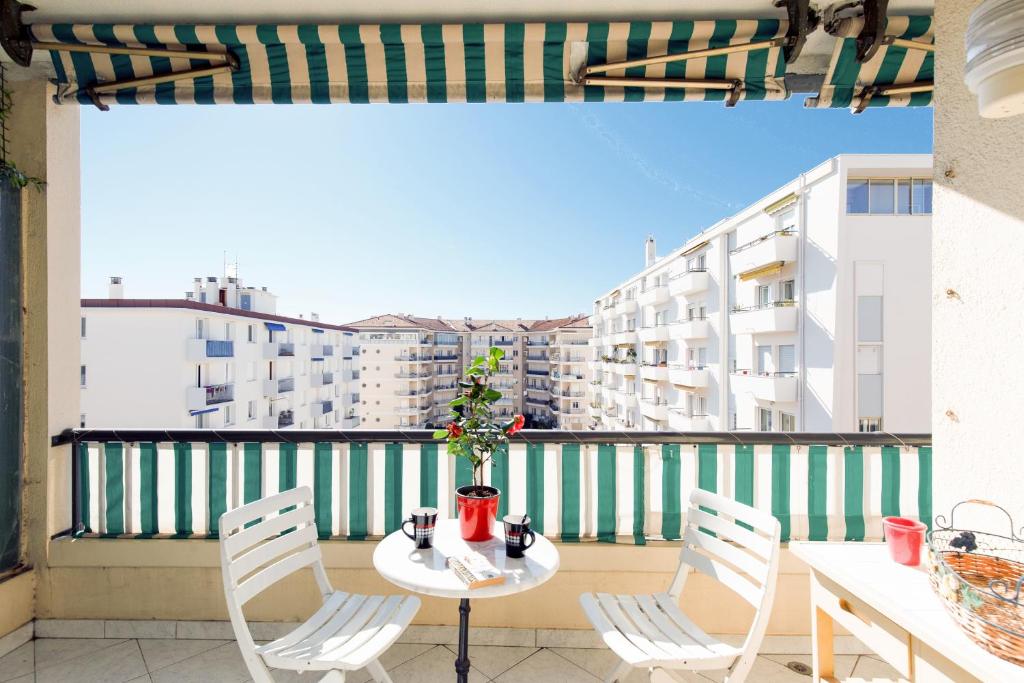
pixel 977 286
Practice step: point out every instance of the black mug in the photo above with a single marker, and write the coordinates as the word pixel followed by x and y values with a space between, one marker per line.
pixel 518 535
pixel 423 521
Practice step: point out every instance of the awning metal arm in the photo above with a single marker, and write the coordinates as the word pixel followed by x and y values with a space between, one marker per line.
pixel 732 86
pixel 94 91
pixel 14 38
pixel 133 51
pixel 682 56
pixel 895 89
pixel 908 44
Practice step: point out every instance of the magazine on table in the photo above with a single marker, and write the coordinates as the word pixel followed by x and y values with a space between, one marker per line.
pixel 475 570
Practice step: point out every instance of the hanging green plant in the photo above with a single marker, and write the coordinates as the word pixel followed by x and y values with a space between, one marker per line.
pixel 9 172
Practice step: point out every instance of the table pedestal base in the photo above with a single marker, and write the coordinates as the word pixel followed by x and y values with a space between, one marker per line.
pixel 462 660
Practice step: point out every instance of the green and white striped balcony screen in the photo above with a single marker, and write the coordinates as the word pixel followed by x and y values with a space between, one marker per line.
pixel 513 62
pixel 847 79
pixel 573 492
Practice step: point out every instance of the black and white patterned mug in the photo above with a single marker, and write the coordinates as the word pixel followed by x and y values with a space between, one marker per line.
pixel 518 535
pixel 423 521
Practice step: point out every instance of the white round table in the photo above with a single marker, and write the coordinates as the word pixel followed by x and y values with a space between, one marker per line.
pixel 426 571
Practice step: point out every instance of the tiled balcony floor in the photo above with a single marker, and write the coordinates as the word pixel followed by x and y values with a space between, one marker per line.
pixel 113 660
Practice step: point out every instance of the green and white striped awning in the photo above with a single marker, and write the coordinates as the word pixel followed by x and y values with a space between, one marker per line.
pixel 513 62
pixel 900 74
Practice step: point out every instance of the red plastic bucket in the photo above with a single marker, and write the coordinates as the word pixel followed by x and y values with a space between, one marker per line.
pixel 904 538
pixel 476 515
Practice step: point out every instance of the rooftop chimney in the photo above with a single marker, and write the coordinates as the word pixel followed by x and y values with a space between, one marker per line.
pixel 115 290
pixel 650 252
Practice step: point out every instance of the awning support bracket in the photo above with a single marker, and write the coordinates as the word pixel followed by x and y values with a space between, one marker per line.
pixel 733 86
pixel 802 20
pixel 872 35
pixel 894 89
pixel 14 38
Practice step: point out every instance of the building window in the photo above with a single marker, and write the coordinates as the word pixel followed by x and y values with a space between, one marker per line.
pixel 788 290
pixel 229 415
pixel 245 302
pixel 83 327
pixel 81 420
pixel 764 296
pixel 787 422
pixel 252 334
pixel 764 420
pixel 82 376
pixel 252 410
pixel 921 201
pixel 869 424
pixel 889 196
pixel 200 329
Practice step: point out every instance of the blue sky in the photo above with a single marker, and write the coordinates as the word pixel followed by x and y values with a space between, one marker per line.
pixel 481 210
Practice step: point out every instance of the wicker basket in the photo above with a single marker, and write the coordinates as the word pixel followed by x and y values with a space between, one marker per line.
pixel 978 576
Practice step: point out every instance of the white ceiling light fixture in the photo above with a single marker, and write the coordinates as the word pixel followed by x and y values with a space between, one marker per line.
pixel 995 57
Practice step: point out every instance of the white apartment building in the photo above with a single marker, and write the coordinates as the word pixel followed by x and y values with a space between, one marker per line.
pixel 409 368
pixel 220 357
pixel 809 310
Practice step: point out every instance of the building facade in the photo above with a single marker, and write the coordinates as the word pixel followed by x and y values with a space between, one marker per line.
pixel 809 310
pixel 409 367
pixel 220 357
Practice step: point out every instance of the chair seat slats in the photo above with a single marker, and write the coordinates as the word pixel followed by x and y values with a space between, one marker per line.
pixel 743 513
pixel 725 575
pixel 729 529
pixel 236 543
pixel 271 550
pixel 733 555
pixel 672 611
pixel 326 612
pixel 360 629
pixel 233 519
pixel 265 578
pixel 612 637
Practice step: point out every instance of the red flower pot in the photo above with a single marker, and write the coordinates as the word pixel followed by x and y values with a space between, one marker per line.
pixel 477 514
pixel 904 538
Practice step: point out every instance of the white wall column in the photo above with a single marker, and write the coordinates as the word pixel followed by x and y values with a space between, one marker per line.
pixel 977 285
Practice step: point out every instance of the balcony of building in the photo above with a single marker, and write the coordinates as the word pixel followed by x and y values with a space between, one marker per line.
pixel 198 398
pixel 779 316
pixel 624 338
pixel 625 306
pixel 766 252
pixel 689 282
pixel 775 387
pixel 654 408
pixel 654 295
pixel 414 375
pixel 690 328
pixel 627 369
pixel 205 349
pixel 653 334
pixel 686 375
pixel 682 420
pixel 441 357
pixel 413 391
pixel 414 358
pixel 350 421
pixel 321 379
pixel 321 350
pixel 594 410
pixel 279 419
pixel 654 373
pixel 318 408
pixel 275 387
pixel 627 398
pixel 272 350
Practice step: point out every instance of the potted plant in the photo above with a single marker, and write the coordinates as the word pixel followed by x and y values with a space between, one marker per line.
pixel 474 433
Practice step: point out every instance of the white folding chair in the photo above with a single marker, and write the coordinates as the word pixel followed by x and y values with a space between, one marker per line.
pixel 267 540
pixel 651 632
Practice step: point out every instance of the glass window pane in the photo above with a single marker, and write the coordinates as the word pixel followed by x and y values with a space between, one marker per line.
pixel 903 196
pixel 869 318
pixel 856 196
pixel 881 197
pixel 922 197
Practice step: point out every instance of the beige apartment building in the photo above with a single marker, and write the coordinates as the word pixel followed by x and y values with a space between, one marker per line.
pixel 408 368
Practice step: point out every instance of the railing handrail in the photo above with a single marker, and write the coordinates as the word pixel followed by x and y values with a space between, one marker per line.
pixel 785 232
pixel 240 435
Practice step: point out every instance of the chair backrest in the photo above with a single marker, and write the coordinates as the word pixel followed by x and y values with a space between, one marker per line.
pixel 735 544
pixel 262 543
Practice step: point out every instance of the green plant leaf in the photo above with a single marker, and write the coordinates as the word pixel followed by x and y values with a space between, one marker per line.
pixel 492 395
pixel 497 353
pixel 458 401
pixel 479 361
pixel 440 433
